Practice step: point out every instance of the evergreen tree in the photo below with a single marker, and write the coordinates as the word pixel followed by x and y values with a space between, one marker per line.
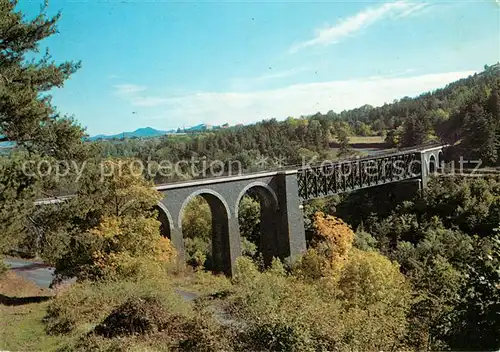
pixel 480 140
pixel 415 131
pixel 27 116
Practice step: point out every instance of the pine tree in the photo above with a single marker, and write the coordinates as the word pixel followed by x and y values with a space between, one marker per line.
pixel 480 140
pixel 416 131
pixel 27 116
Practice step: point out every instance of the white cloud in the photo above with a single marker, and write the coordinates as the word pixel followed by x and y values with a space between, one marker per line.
pixel 279 74
pixel 131 91
pixel 393 73
pixel 295 100
pixel 128 89
pixel 351 25
pixel 412 10
pixel 148 101
pixel 246 83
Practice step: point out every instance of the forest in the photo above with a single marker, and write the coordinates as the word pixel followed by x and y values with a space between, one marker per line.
pixel 463 114
pixel 390 268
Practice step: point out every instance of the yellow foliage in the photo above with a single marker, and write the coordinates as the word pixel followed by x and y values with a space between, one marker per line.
pixel 125 190
pixel 127 239
pixel 123 246
pixel 368 278
pixel 335 234
pixel 331 244
pixel 165 252
pixel 313 266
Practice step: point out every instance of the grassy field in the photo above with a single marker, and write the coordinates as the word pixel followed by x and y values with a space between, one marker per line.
pixel 362 139
pixel 22 308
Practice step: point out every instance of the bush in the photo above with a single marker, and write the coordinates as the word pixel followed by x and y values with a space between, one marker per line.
pixel 365 241
pixel 208 283
pixel 138 315
pixel 312 266
pixel 370 278
pixel 144 323
pixel 86 304
pixel 199 334
pixel 278 336
pixel 95 343
pixel 375 294
pixel 197 250
pixel 364 308
pixel 332 240
pixel 204 334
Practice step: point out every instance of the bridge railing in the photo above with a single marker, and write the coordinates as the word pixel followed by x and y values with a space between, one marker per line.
pixel 349 175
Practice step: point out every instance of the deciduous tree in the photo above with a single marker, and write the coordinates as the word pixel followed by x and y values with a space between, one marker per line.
pixel 116 233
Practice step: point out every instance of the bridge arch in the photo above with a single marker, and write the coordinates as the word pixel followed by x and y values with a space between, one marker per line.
pixel 210 196
pixel 221 215
pixel 261 190
pixel 267 238
pixel 166 220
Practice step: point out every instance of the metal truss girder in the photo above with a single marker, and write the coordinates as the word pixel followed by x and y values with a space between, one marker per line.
pixel 351 175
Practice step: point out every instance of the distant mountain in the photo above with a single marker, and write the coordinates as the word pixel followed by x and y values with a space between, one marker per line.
pixel 151 132
pixel 138 133
pixel 200 128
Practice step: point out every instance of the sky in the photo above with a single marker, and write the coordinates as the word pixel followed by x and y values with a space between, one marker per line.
pixel 170 64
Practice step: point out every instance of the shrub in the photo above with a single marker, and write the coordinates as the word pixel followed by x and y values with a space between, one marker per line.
pixel 208 283
pixel 364 241
pixel 277 336
pixel 95 343
pixel 375 294
pixel 248 248
pixel 369 277
pixel 312 266
pixel 145 323
pixel 138 315
pixel 197 250
pixel 204 334
pixel 86 304
pixel 245 271
pixel 364 308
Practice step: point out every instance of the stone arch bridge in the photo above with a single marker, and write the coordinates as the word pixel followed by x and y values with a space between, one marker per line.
pixel 281 194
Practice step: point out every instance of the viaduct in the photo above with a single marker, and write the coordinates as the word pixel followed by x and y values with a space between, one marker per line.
pixel 281 194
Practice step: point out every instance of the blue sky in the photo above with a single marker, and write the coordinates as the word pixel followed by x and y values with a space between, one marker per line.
pixel 173 64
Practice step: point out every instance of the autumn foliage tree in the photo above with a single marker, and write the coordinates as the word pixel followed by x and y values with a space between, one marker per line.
pixel 122 235
pixel 331 243
pixel 333 236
